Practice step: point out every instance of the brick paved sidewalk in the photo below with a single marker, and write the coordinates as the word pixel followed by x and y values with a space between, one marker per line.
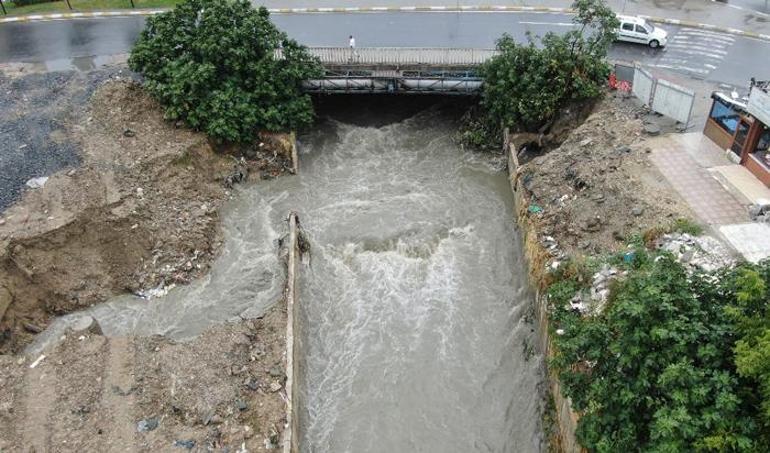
pixel 711 202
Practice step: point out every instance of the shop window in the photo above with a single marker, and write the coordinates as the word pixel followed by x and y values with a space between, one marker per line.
pixel 724 115
pixel 762 151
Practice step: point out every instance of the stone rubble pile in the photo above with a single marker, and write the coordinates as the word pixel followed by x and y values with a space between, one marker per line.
pixel 760 212
pixel 696 252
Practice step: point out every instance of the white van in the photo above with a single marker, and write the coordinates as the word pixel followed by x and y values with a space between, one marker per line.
pixel 638 30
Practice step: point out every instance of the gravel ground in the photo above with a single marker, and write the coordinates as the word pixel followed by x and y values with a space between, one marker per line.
pixel 34 112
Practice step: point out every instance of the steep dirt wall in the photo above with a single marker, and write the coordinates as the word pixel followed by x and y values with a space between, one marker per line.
pixel 537 258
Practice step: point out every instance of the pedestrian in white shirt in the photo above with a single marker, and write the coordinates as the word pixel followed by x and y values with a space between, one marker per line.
pixel 352 42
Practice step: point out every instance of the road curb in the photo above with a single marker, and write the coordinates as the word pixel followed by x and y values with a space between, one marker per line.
pixel 373 9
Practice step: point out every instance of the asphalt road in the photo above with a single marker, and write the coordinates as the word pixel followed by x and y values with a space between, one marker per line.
pixel 705 55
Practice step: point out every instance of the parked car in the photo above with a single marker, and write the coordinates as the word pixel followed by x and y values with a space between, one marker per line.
pixel 638 30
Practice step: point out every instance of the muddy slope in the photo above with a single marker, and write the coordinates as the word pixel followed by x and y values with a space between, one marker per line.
pixel 598 187
pixel 138 214
pixel 223 390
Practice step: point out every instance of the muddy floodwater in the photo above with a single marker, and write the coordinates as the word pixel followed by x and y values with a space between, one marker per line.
pixel 416 317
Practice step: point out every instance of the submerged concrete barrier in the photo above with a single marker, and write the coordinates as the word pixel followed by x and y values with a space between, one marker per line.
pixel 536 257
pixel 291 432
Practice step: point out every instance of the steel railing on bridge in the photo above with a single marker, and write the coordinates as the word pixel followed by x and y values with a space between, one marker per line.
pixel 402 56
pixel 398 70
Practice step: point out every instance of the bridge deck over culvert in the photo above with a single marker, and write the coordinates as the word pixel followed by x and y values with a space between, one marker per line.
pixel 399 70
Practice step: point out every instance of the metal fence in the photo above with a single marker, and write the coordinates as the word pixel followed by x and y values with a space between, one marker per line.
pixel 660 95
pixel 643 86
pixel 401 56
pixel 673 101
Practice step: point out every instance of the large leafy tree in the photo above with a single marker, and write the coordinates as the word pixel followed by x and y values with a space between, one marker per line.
pixel 655 371
pixel 526 85
pixel 224 68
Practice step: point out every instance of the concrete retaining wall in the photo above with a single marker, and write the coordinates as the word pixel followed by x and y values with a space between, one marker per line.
pixel 536 257
pixel 293 339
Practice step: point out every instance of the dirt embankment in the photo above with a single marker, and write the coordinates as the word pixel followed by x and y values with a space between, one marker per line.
pixel 598 187
pixel 139 213
pixel 222 391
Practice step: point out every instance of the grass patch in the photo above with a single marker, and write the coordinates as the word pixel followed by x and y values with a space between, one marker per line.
pixel 680 225
pixel 688 226
pixel 60 6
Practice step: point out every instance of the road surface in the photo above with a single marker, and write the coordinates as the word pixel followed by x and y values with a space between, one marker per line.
pixel 706 55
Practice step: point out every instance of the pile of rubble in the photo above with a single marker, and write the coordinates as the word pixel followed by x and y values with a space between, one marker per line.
pixel 760 212
pixel 696 252
pixel 593 300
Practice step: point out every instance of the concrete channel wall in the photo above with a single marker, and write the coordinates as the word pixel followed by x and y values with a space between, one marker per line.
pixel 293 339
pixel 536 257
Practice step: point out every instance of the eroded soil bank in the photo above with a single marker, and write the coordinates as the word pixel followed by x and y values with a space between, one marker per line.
pixel 582 199
pixel 131 205
pixel 138 214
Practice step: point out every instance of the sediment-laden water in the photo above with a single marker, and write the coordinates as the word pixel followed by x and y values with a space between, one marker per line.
pixel 414 301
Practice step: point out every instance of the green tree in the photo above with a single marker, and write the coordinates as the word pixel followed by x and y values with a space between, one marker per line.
pixel 655 370
pixel 225 69
pixel 752 350
pixel 526 85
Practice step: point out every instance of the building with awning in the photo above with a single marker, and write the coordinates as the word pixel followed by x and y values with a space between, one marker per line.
pixel 741 126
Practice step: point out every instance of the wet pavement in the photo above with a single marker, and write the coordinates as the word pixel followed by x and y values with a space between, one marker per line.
pixel 705 55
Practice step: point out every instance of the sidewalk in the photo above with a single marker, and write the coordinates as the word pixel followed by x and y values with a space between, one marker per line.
pixel 717 190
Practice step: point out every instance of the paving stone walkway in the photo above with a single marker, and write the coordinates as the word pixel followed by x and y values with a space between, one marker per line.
pixel 711 202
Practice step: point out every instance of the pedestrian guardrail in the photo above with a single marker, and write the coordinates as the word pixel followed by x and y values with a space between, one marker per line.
pixel 400 56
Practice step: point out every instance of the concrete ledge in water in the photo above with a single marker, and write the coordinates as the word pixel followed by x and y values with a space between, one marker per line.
pixel 291 432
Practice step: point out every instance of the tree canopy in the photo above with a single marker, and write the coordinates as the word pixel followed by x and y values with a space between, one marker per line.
pixel 526 85
pixel 676 362
pixel 224 68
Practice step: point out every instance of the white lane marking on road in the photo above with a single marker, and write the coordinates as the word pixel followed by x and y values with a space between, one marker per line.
pixel 408 8
pixel 718 53
pixel 752 11
pixel 695 51
pixel 680 67
pixel 557 24
pixel 712 34
pixel 438 8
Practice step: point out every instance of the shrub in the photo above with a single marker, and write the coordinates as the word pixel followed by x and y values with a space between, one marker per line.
pixel 527 85
pixel 213 64
pixel 676 362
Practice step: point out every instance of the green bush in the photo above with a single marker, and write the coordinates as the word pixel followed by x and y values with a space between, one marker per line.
pixel 675 362
pixel 526 85
pixel 213 64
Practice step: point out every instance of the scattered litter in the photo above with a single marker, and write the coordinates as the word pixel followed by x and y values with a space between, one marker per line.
pixel 534 209
pixel 37 361
pixel 188 444
pixel 147 424
pixel 37 183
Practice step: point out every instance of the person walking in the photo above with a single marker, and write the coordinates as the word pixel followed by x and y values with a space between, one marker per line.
pixel 352 43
